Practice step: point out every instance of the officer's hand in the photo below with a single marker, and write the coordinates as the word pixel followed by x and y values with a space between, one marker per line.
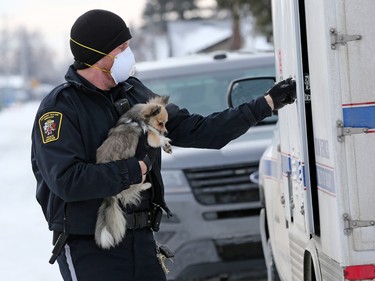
pixel 146 153
pixel 283 93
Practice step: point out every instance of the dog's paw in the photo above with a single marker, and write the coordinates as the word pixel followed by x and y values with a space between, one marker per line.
pixel 167 148
pixel 145 185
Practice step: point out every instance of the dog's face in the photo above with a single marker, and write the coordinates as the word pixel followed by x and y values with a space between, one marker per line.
pixel 157 118
pixel 156 114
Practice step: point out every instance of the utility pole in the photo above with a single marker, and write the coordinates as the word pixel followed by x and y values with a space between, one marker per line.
pixel 4 56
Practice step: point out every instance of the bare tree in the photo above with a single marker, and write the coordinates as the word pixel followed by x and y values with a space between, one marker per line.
pixel 260 11
pixel 234 6
pixel 26 54
pixel 158 11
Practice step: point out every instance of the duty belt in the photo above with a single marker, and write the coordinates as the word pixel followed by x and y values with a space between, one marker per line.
pixel 138 220
pixel 150 218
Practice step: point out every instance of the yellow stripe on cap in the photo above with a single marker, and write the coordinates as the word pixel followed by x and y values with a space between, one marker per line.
pixel 89 48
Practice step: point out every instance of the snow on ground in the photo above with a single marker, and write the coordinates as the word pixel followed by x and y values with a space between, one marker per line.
pixel 25 241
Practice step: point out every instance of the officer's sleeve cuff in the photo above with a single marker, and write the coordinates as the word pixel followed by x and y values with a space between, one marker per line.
pixel 256 110
pixel 130 171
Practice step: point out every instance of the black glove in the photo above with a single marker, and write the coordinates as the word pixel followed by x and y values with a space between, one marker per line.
pixel 283 93
pixel 146 153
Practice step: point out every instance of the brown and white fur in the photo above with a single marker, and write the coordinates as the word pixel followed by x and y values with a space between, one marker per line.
pixel 121 143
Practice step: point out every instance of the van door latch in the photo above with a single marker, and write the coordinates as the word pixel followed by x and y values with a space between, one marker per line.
pixel 347 131
pixel 349 225
pixel 341 38
pixel 306 83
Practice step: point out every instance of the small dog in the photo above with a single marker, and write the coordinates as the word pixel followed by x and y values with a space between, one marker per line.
pixel 121 143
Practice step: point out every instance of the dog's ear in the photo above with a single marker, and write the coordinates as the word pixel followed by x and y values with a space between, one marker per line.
pixel 165 100
pixel 152 110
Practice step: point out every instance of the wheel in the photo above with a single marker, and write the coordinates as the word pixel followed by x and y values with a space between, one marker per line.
pixel 273 275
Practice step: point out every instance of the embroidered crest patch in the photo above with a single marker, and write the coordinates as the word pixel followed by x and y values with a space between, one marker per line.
pixel 49 125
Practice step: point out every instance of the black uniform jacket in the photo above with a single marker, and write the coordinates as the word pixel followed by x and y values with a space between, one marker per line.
pixel 73 121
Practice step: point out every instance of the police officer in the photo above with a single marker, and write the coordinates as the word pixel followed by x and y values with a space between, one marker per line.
pixel 73 121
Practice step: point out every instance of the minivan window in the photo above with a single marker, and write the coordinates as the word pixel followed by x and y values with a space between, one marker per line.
pixel 203 93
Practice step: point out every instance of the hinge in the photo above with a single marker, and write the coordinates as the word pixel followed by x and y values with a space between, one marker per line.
pixel 347 131
pixel 341 38
pixel 349 225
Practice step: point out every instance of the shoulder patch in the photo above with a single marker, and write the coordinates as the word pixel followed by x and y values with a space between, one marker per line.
pixel 49 125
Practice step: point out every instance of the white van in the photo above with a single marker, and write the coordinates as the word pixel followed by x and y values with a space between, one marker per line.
pixel 317 177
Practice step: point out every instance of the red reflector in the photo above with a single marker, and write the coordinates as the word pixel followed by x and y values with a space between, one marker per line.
pixel 360 272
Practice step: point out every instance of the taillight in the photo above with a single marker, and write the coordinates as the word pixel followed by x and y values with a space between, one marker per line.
pixel 360 272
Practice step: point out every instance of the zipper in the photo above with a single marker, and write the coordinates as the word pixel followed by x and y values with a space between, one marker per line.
pixel 111 107
pixel 109 101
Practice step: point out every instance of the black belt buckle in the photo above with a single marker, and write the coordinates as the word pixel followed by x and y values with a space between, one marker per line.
pixel 156 214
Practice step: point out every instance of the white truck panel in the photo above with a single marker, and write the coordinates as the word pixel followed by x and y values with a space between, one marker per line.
pixel 358 104
pixel 342 79
pixel 326 110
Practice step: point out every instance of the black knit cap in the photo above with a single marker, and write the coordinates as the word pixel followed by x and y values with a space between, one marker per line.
pixel 96 29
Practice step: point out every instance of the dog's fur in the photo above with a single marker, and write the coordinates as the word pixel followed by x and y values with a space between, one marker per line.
pixel 121 143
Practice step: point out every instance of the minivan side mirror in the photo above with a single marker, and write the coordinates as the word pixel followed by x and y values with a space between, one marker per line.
pixel 247 89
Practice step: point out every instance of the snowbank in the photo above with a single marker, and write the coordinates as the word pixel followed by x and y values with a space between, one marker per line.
pixel 25 241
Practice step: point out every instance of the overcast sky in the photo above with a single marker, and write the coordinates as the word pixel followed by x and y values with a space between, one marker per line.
pixel 58 16
pixel 55 18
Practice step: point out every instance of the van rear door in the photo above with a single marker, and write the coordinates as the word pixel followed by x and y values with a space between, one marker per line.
pixel 358 59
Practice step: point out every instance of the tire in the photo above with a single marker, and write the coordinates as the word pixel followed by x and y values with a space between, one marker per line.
pixel 309 269
pixel 273 275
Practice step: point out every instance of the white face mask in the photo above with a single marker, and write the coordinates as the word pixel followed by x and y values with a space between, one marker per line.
pixel 123 66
